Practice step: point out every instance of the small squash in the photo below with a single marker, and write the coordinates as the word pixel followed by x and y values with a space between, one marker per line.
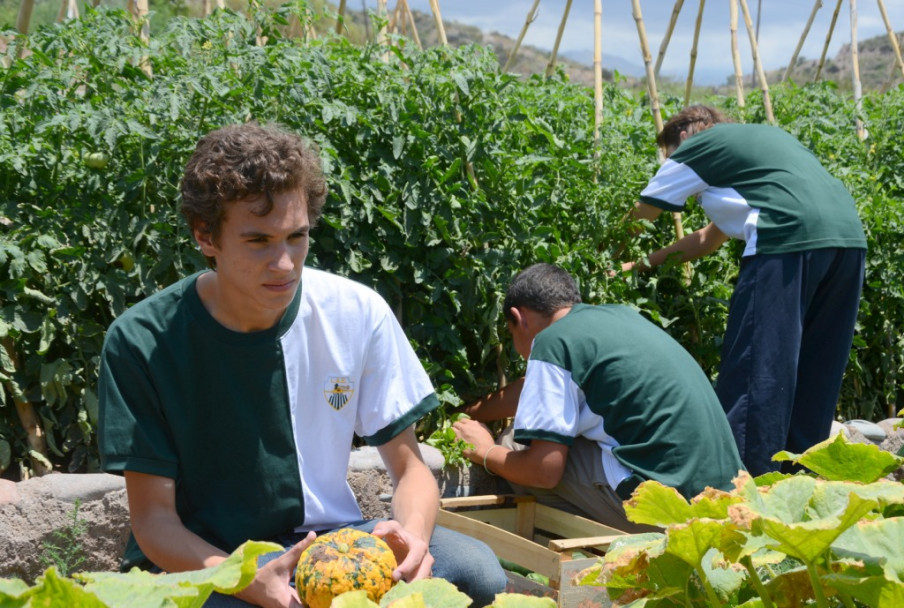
pixel 344 560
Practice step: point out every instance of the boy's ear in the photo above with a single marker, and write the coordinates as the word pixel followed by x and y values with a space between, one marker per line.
pixel 204 238
pixel 520 319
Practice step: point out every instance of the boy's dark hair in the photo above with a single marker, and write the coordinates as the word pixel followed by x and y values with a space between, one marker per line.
pixel 243 162
pixel 692 119
pixel 544 288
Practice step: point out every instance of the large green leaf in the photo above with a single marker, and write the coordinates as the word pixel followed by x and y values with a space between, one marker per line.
pixel 873 591
pixel 657 505
pixel 879 543
pixel 436 593
pixel 838 459
pixel 139 589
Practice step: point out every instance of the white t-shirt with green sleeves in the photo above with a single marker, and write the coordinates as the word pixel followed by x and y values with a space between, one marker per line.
pixel 608 374
pixel 759 184
pixel 256 428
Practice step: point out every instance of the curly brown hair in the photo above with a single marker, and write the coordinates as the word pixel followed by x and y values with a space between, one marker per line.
pixel 244 162
pixel 691 119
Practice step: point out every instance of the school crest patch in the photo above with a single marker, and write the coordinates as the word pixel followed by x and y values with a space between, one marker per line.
pixel 338 390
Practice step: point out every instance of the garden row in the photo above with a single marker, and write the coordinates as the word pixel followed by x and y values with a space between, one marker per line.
pixel 446 178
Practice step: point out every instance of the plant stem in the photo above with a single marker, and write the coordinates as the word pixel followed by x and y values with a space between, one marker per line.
pixel 710 592
pixel 757 582
pixel 818 591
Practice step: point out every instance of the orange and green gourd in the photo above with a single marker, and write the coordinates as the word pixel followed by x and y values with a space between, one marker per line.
pixel 344 560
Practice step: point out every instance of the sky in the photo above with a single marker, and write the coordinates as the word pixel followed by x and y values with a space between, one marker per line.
pixel 781 23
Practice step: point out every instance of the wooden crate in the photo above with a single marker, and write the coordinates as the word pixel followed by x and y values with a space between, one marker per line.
pixel 537 537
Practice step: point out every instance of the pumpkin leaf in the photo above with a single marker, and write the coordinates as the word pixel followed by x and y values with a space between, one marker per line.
pixel 878 543
pixel 874 591
pixel 437 593
pixel 517 600
pixel 354 599
pixel 657 505
pixel 138 589
pixel 838 459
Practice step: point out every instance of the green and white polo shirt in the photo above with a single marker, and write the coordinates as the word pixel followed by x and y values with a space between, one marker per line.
pixel 256 428
pixel 758 183
pixel 611 376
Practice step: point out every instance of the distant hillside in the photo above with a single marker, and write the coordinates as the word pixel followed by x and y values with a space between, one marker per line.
pixel 876 58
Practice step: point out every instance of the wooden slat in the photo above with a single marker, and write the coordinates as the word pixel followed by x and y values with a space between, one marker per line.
pixel 568 525
pixel 524 519
pixel 600 543
pixel 506 545
pixel 483 500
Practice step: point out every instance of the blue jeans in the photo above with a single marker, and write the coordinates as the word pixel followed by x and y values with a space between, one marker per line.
pixel 466 562
pixel 788 341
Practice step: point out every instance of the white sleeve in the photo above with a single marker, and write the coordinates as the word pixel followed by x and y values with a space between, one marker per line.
pixel 549 407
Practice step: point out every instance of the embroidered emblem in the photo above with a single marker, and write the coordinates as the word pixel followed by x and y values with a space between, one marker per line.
pixel 338 390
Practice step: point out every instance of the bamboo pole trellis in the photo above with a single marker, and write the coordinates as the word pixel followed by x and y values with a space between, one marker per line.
pixel 816 6
pixel 340 16
pixel 68 10
pixel 893 38
pixel 531 17
pixel 555 49
pixel 597 84
pixel 654 95
pixel 891 74
pixel 410 18
pixel 437 16
pixel 668 36
pixel 758 66
pixel 736 54
pixel 855 71
pixel 825 46
pixel 690 70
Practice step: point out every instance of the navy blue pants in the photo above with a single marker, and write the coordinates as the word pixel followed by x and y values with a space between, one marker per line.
pixel 788 340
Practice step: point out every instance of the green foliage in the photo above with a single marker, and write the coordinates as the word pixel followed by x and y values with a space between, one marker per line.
pixel 443 438
pixel 138 589
pixel 446 178
pixel 65 551
pixel 776 540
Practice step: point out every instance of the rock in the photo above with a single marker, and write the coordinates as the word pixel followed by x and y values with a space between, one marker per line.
pixel 33 512
pixel 870 430
pixel 8 491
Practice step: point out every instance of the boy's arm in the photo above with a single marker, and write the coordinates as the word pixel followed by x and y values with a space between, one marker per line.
pixel 498 405
pixel 415 503
pixel 173 548
pixel 695 245
pixel 540 464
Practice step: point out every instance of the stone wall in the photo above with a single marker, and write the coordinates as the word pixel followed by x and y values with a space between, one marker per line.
pixel 32 511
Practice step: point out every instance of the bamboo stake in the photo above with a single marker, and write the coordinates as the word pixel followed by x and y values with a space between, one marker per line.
pixel 68 10
pixel 761 75
pixel 139 11
pixel 340 17
pixel 800 42
pixel 654 98
pixel 29 420
pixel 417 39
pixel 23 19
pixel 531 16
pixel 382 35
pixel 440 29
pixel 736 54
pixel 855 71
pixel 891 74
pixel 394 20
pixel 690 72
pixel 825 47
pixel 555 49
pixel 668 36
pixel 892 36
pixel 597 84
